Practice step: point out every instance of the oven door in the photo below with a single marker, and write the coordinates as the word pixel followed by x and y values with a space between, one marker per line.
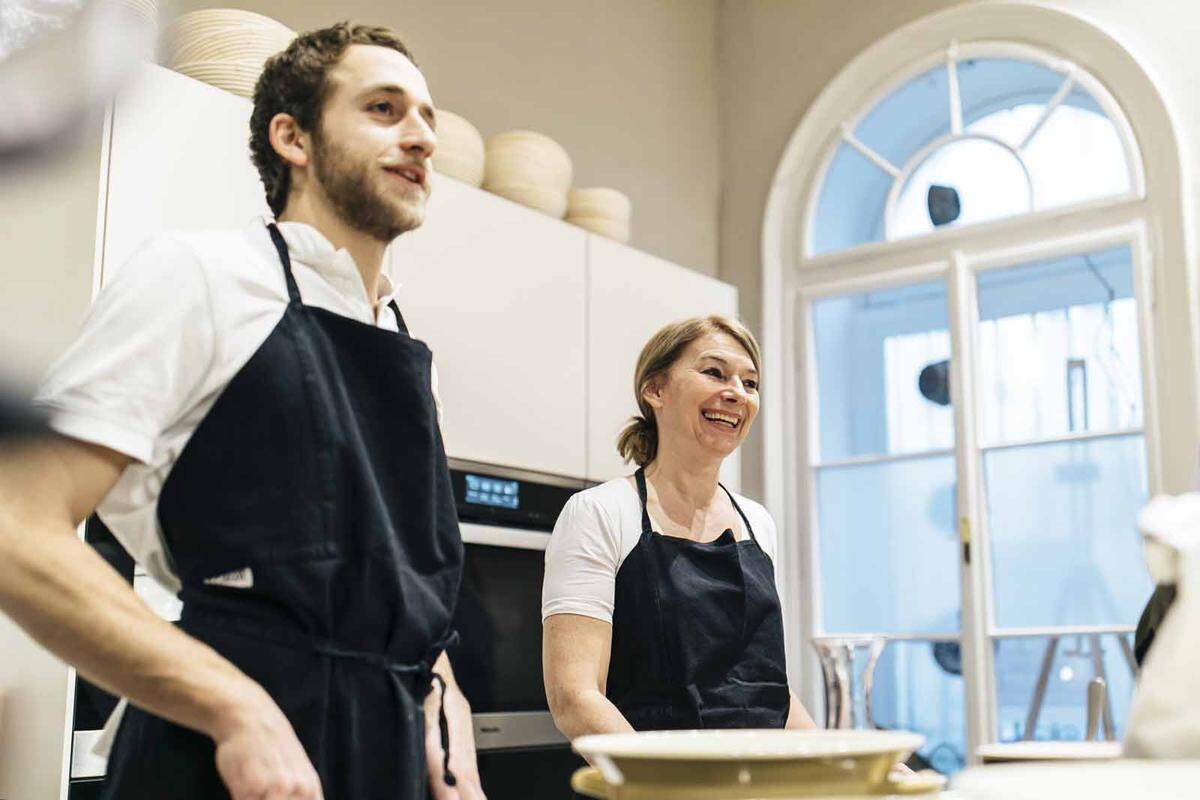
pixel 498 662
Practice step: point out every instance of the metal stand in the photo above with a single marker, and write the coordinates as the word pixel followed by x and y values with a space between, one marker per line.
pixel 1098 671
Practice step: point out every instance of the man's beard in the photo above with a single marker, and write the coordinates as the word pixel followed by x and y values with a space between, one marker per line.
pixel 354 192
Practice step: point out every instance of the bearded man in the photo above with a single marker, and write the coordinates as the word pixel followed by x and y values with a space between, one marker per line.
pixel 248 414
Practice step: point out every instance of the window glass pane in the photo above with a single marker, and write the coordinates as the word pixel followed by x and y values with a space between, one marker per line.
pixel 917 421
pixel 888 547
pixel 988 180
pixel 871 351
pixel 1067 664
pixel 991 85
pixel 1058 348
pixel 919 687
pixel 1077 155
pixel 904 121
pixel 850 207
pixel 1062 526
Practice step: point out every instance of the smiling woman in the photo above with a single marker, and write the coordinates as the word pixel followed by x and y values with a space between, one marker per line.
pixel 717 348
pixel 660 606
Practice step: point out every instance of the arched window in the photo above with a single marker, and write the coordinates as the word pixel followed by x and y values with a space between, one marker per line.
pixel 961 255
pixel 994 130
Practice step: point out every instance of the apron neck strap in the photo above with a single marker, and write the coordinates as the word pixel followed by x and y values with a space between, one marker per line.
pixel 742 514
pixel 400 325
pixel 640 477
pixel 294 291
pixel 285 259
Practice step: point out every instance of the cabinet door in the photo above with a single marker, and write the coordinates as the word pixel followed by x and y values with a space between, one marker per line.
pixel 179 159
pixel 630 296
pixel 498 292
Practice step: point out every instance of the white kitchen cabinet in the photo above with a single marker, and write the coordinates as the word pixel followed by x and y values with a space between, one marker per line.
pixel 179 159
pixel 498 291
pixel 630 296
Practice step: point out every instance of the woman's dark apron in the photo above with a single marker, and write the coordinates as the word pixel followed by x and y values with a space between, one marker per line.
pixel 697 637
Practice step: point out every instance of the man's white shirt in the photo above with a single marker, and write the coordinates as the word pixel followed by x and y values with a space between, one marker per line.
pixel 165 337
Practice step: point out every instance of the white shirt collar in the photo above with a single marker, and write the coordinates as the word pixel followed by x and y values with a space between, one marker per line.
pixel 310 246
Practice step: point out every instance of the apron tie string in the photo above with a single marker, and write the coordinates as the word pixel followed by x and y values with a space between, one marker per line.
pixel 444 726
pixel 423 674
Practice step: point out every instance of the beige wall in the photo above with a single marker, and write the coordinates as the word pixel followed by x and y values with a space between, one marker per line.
pixel 47 246
pixel 627 86
pixel 775 56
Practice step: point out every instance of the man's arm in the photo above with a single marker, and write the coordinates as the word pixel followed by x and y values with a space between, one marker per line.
pixel 64 595
pixel 463 763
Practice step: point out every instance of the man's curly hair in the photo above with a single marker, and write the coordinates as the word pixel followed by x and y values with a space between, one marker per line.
pixel 295 81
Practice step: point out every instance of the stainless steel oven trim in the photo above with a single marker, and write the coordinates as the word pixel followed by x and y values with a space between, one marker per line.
pixel 84 762
pixel 516 729
pixel 515 473
pixel 498 536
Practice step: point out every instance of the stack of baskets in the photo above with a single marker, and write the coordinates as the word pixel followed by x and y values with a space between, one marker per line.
pixel 530 169
pixel 224 47
pixel 459 152
pixel 144 11
pixel 606 212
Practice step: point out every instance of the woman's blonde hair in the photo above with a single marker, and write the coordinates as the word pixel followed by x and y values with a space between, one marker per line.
pixel 638 442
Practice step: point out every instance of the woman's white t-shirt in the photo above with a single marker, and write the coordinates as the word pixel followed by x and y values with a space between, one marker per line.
pixel 597 529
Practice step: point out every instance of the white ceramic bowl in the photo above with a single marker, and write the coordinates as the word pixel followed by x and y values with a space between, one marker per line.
pixel 618 230
pixel 1049 751
pixel 540 198
pixel 527 158
pixel 145 10
pixel 744 764
pixel 460 151
pixel 230 76
pixel 599 202
pixel 229 35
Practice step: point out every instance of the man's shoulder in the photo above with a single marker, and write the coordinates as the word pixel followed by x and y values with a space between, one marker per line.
pixel 226 258
pixel 222 246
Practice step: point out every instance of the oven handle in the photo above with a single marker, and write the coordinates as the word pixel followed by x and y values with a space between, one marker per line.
pixel 497 536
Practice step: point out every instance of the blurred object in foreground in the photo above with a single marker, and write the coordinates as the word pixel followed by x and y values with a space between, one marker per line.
pixel 1164 721
pixel 17 419
pixel 60 61
pixel 1120 779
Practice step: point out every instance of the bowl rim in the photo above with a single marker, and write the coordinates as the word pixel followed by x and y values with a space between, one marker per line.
pixel 1049 750
pixel 788 745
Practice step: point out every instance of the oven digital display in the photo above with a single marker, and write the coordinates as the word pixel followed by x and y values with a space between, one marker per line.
pixel 492 492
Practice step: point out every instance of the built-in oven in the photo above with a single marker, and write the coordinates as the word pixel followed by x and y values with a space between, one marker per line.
pixel 506 516
pixel 92 705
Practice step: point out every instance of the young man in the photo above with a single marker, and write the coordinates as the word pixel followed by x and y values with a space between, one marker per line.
pixel 247 413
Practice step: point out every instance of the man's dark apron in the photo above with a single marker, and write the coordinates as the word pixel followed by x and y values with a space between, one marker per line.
pixel 697 637
pixel 312 523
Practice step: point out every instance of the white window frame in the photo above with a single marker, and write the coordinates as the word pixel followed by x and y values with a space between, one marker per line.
pixel 959 270
pixel 950 56
pixel 1149 220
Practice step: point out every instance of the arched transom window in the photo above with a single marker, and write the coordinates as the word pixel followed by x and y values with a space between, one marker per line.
pixel 991 130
